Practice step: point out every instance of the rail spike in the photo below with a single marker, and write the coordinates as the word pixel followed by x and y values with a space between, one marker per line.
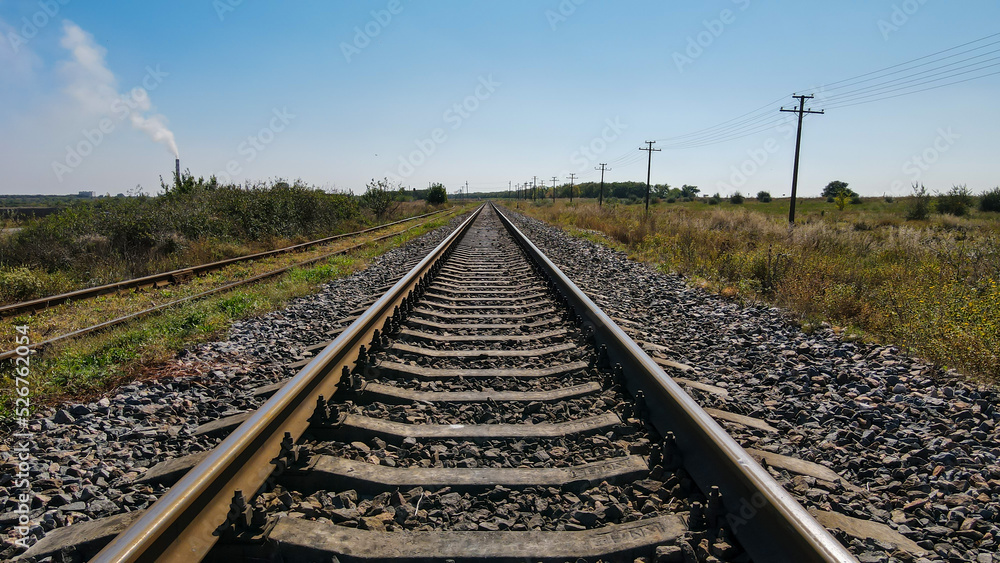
pixel 240 516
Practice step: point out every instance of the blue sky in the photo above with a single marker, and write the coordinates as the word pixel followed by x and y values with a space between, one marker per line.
pixel 337 93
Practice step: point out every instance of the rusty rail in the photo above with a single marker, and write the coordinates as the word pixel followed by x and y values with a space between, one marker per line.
pixel 180 275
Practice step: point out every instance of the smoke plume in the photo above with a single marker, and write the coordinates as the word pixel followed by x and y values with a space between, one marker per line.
pixel 95 88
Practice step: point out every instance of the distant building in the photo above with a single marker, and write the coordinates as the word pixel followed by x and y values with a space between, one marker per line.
pixel 88 195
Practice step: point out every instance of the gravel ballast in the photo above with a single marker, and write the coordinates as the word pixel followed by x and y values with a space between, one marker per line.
pixel 919 446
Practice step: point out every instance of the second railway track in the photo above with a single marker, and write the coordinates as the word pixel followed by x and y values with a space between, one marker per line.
pixel 482 410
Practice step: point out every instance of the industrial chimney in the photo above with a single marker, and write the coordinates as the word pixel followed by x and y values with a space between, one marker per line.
pixel 177 171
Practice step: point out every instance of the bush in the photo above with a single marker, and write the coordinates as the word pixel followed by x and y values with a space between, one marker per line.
pixel 671 200
pixel 108 239
pixel 831 199
pixel 437 195
pixel 764 197
pixel 380 198
pixel 990 201
pixel 921 207
pixel 856 200
pixel 736 198
pixel 889 199
pixel 956 202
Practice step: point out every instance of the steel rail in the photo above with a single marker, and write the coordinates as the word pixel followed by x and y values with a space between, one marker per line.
pixel 770 524
pixel 223 288
pixel 87 293
pixel 182 526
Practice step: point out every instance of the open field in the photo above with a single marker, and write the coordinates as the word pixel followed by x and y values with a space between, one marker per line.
pixel 931 287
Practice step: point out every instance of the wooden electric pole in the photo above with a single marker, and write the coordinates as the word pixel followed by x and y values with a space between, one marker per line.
pixel 572 178
pixel 649 168
pixel 600 197
pixel 802 111
pixel 553 189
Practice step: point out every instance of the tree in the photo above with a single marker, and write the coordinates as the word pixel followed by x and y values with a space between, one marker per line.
pixel 956 202
pixel 661 190
pixel 736 198
pixel 990 201
pixel 381 198
pixel 921 207
pixel 764 197
pixel 437 195
pixel 689 191
pixel 835 188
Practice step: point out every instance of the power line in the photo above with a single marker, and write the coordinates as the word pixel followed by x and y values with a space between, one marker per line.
pixel 802 111
pixel 756 121
pixel 829 85
pixel 649 168
pixel 846 105
pixel 600 198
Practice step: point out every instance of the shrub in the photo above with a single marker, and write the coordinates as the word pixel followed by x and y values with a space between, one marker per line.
pixel 736 198
pixel 841 200
pixel 437 195
pixel 990 201
pixel 671 200
pixel 856 200
pixel 380 198
pixel 921 207
pixel 714 201
pixel 831 199
pixel 764 197
pixel 889 199
pixel 956 201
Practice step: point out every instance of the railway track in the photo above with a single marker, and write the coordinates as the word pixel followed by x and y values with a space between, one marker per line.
pixel 482 409
pixel 167 278
pixel 182 275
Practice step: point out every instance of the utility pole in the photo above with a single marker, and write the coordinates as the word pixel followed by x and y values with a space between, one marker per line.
pixel 553 189
pixel 802 111
pixel 649 168
pixel 572 177
pixel 534 188
pixel 466 189
pixel 600 198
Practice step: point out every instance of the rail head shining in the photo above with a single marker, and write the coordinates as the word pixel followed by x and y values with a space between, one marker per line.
pixel 770 524
pixel 182 525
